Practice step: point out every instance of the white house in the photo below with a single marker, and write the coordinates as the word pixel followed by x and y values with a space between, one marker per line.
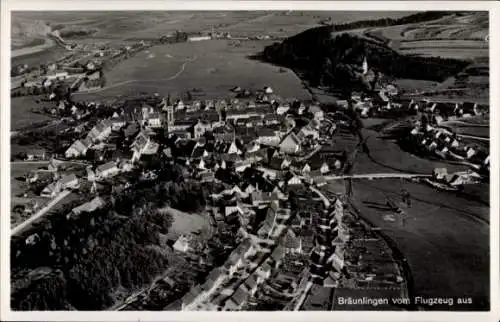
pixel 101 131
pixel 324 168
pixel 107 170
pixel 282 109
pixel 78 148
pixel 182 244
pixel 290 144
pixel 69 182
pixel 268 90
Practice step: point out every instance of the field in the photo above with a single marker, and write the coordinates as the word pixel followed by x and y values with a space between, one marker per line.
pixel 185 223
pixel 460 37
pixel 445 238
pixel 212 67
pixel 21 115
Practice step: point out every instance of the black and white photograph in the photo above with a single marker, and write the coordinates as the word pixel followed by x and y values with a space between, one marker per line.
pixel 249 160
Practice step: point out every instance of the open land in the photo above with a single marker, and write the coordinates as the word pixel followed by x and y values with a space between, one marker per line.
pixel 212 66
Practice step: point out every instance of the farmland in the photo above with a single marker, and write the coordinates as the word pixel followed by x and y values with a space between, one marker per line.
pixel 212 67
pixel 439 227
pixel 22 115
pixel 453 36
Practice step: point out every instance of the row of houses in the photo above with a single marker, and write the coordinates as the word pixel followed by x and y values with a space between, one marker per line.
pixel 447 145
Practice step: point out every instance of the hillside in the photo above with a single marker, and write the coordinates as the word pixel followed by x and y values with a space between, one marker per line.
pixel 323 56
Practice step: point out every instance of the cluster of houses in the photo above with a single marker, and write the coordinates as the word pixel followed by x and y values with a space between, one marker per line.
pixel 445 144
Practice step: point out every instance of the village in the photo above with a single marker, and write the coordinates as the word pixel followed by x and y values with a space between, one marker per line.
pixel 256 152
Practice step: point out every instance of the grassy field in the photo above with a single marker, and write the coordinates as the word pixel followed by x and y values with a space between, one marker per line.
pixel 21 115
pixel 186 223
pixel 213 67
pixel 445 238
pixel 387 157
pixel 460 37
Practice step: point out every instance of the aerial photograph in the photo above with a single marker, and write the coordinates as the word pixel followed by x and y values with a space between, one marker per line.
pixel 249 161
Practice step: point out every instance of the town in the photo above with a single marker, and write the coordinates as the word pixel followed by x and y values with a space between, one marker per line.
pixel 259 158
pixel 248 200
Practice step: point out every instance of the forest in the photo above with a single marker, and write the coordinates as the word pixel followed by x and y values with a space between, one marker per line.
pixel 333 61
pixel 85 259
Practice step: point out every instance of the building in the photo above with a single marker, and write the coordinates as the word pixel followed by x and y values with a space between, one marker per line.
pixel 200 128
pixel 182 244
pixel 143 145
pixel 107 170
pixel 90 206
pixel 290 144
pixel 36 154
pixel 317 112
pixel 365 66
pixel 68 182
pixel 56 75
pixel 170 117
pixel 78 148
pixel 94 75
pixel 50 191
pixel 198 38
pixel 100 131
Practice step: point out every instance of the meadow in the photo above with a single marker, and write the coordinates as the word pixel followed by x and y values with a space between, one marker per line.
pixel 210 67
pixel 21 112
pixel 444 236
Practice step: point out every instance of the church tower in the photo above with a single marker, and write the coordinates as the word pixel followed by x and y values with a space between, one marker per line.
pixel 365 66
pixel 170 117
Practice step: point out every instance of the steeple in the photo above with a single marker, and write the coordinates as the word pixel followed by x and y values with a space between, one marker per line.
pixel 365 66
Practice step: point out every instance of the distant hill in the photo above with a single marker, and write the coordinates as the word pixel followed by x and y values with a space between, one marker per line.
pixel 323 59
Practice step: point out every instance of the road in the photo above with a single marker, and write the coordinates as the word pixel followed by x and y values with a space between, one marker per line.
pixel 479 138
pixel 19 228
pixel 379 176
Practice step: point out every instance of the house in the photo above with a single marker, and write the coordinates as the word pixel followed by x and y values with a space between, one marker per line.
pixel 50 191
pixel 36 154
pixel 154 120
pixel 118 122
pixel 107 170
pixel 233 148
pixel 58 74
pixel 268 90
pixel 271 119
pixel 291 243
pixel 179 106
pixel 207 176
pixel 308 130
pixel 201 127
pixel 182 244
pixel 78 148
pixel 236 301
pixel 90 65
pixel 317 112
pixel 100 131
pixel 143 145
pixel 94 75
pixel 267 136
pixel 295 180
pixel 90 206
pixel 68 182
pixel 290 144
pixel 324 168
pixel 282 109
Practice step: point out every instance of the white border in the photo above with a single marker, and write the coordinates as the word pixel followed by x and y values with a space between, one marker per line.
pixel 9 5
